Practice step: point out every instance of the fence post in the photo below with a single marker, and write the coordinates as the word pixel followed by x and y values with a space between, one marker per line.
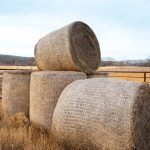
pixel 144 76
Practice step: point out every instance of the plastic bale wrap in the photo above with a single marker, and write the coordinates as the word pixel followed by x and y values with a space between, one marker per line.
pixel 16 91
pixel 46 87
pixel 71 48
pixel 103 114
pixel 98 74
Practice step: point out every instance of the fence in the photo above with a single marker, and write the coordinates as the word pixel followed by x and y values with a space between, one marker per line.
pixel 1 79
pixel 130 75
pixel 18 67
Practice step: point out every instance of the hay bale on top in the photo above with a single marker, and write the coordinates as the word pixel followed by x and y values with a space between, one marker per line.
pixel 46 87
pixel 98 74
pixel 72 48
pixel 16 90
pixel 103 113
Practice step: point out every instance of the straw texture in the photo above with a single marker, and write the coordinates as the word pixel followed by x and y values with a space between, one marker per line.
pixel 15 93
pixel 71 48
pixel 103 114
pixel 46 87
pixel 98 74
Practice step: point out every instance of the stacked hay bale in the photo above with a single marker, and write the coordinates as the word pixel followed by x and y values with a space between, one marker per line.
pixel 16 90
pixel 72 48
pixel 98 74
pixel 103 114
pixel 46 87
pixel 91 113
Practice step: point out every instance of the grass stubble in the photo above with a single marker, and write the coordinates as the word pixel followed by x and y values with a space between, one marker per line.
pixel 17 133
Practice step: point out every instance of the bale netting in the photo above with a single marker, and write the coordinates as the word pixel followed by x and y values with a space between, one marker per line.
pixel 71 48
pixel 98 74
pixel 103 113
pixel 16 91
pixel 46 87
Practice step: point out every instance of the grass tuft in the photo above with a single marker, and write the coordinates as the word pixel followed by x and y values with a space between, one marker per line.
pixel 16 133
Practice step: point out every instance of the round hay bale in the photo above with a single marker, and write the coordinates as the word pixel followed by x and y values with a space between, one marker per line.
pixel 46 87
pixel 71 48
pixel 16 91
pixel 98 74
pixel 102 113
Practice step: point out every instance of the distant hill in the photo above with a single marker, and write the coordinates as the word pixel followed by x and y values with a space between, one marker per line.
pixel 16 60
pixel 107 61
pixel 111 62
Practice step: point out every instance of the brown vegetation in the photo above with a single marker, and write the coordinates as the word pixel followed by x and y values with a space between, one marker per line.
pixel 16 133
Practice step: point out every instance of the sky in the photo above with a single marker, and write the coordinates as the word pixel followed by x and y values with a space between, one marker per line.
pixel 121 26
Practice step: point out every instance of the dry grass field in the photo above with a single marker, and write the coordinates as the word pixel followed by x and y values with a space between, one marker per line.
pixel 132 73
pixel 125 68
pixel 18 67
pixel 16 133
pixel 131 76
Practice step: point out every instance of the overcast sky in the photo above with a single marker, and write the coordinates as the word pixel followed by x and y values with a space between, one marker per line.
pixel 121 26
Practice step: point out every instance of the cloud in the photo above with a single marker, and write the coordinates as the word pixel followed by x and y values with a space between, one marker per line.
pixel 20 32
pixel 124 43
